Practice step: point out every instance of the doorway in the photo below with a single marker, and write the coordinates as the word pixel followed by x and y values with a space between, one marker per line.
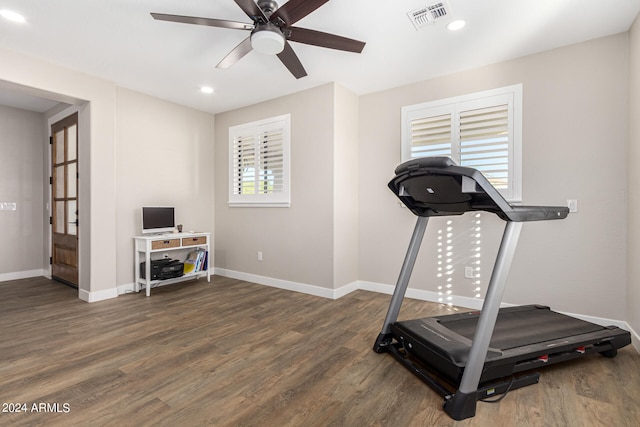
pixel 64 191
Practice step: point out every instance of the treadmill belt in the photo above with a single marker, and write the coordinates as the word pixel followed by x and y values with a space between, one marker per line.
pixel 521 328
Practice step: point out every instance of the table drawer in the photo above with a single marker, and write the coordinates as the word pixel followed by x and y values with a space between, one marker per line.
pixel 191 241
pixel 164 244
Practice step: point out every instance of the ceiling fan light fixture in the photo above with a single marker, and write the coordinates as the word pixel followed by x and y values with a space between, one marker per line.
pixel 267 40
pixel 272 30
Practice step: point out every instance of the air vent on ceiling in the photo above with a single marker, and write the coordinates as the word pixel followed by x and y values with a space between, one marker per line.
pixel 429 14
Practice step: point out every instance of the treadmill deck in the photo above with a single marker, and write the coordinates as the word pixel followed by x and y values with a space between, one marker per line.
pixel 517 328
pixel 524 337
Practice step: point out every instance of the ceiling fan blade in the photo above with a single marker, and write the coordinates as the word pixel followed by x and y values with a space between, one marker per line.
pixel 203 21
pixel 236 54
pixel 291 61
pixel 318 38
pixel 294 10
pixel 252 10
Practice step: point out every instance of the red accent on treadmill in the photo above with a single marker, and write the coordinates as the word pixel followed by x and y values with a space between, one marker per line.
pixel 581 349
pixel 544 358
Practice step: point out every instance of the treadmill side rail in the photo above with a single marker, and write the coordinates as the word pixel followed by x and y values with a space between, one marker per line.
pixel 402 283
pixel 490 307
pixel 463 403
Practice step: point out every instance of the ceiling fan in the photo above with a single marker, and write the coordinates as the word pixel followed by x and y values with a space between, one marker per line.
pixel 272 30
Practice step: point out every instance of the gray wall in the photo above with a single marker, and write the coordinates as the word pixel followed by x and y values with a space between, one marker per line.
pixel 22 148
pixel 575 115
pixel 296 242
pixel 164 157
pixel 574 144
pixel 314 241
pixel 633 298
pixel 345 188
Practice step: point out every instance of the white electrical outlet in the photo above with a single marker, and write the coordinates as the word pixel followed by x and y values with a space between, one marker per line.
pixel 469 273
pixel 259 256
pixel 572 204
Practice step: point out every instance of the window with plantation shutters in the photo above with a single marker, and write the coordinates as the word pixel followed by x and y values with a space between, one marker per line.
pixel 484 142
pixel 481 130
pixel 259 163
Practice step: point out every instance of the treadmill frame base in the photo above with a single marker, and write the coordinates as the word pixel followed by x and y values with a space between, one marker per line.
pixel 458 405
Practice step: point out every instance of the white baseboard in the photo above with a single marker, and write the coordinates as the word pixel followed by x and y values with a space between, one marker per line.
pixel 635 338
pixel 127 288
pixel 346 289
pixel 97 295
pixel 5 277
pixel 602 321
pixel 422 295
pixel 289 285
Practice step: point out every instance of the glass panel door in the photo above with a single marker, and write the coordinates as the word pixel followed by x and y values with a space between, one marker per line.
pixel 64 180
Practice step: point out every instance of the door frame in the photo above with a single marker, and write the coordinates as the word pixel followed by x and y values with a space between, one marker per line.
pixel 49 204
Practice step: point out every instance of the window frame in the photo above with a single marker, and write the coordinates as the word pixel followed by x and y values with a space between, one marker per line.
pixel 254 130
pixel 509 95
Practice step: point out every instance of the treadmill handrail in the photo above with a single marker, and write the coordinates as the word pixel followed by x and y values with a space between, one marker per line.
pixel 436 186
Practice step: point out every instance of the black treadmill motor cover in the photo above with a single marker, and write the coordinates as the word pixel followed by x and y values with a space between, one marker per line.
pixel 436 186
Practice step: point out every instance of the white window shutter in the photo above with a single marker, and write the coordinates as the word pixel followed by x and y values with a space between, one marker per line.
pixel 271 167
pixel 484 142
pixel 244 163
pixel 481 130
pixel 259 163
pixel 431 136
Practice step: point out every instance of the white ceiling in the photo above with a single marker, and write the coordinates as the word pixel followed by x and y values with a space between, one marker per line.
pixel 119 41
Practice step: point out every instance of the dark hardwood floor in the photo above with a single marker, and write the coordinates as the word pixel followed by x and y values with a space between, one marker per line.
pixel 232 353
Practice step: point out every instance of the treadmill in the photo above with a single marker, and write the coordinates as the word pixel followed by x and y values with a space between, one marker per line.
pixel 479 355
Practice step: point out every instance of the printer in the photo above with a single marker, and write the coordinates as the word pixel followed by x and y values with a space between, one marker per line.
pixel 163 269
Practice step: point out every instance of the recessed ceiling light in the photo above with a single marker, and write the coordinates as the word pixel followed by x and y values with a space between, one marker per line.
pixel 12 16
pixel 206 89
pixel 456 25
